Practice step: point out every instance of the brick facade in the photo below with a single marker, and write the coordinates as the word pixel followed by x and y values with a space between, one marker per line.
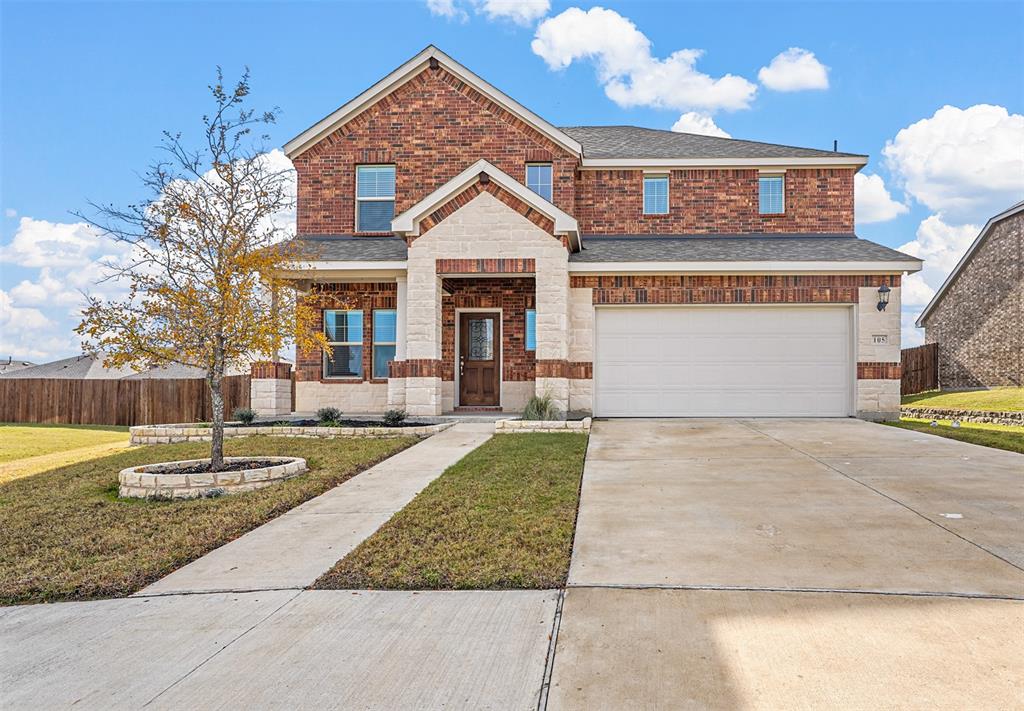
pixel 979 322
pixel 710 201
pixel 450 207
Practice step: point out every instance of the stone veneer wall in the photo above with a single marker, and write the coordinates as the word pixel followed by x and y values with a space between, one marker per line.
pixel 979 322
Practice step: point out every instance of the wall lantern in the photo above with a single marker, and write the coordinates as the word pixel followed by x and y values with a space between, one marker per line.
pixel 883 297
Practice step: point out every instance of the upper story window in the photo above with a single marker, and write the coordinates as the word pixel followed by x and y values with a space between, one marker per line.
pixel 375 197
pixel 655 194
pixel 538 179
pixel 773 194
pixel 344 331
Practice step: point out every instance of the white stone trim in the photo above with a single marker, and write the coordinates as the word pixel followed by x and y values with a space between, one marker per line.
pixel 409 221
pixel 160 481
pixel 169 434
pixel 405 73
pixel 534 426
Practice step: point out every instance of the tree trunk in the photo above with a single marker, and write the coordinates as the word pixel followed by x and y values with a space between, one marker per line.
pixel 216 377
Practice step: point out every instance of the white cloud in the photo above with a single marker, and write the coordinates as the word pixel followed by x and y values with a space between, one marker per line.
pixel 695 122
pixel 967 164
pixel 872 201
pixel 10 212
pixel 521 12
pixel 446 8
pixel 795 69
pixel 630 74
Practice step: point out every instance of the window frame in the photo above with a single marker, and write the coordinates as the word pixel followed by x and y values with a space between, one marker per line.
pixel 373 199
pixel 668 188
pixel 331 344
pixel 526 330
pixel 374 342
pixel 551 178
pixel 760 193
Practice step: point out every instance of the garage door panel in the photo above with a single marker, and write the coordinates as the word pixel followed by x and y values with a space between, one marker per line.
pixel 723 361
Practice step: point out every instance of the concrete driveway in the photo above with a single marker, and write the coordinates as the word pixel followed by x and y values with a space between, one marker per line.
pixel 792 563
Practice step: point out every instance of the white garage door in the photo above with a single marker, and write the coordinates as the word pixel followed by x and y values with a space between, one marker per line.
pixel 723 362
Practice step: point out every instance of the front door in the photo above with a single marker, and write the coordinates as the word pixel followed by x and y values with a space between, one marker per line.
pixel 479 360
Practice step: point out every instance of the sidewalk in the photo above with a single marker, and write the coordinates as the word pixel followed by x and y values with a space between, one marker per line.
pixel 294 549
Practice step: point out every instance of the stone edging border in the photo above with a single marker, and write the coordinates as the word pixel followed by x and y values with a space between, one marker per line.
pixel 520 426
pixel 168 434
pixel 159 481
pixel 996 417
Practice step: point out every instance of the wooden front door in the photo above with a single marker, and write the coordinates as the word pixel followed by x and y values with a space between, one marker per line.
pixel 479 360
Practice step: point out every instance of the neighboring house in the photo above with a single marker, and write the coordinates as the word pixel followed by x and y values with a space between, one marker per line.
pixel 13 365
pixel 977 315
pixel 465 254
pixel 89 366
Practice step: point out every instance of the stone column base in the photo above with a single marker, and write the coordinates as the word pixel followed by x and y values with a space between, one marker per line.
pixel 396 394
pixel 878 399
pixel 557 388
pixel 270 389
pixel 423 396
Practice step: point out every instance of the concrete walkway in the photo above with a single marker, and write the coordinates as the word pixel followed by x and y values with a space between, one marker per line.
pixel 294 549
pixel 767 564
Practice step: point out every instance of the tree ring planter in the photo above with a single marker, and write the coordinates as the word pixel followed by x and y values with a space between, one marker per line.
pixel 167 481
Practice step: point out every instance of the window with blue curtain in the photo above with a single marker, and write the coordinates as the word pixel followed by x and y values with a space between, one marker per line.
pixel 531 329
pixel 375 197
pixel 655 194
pixel 773 194
pixel 344 331
pixel 385 322
pixel 538 179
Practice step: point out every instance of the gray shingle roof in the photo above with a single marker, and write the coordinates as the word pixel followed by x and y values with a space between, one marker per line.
pixel 734 248
pixel 638 142
pixel 345 248
pixel 90 366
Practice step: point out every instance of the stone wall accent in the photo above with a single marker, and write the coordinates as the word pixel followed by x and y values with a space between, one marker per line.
pixel 535 426
pixel 873 325
pixel 714 201
pixel 367 398
pixel 159 481
pixel 169 434
pixel 979 322
pixel 431 128
pixel 995 417
pixel 878 400
pixel 270 396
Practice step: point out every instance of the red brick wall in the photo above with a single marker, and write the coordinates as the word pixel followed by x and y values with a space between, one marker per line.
pixel 431 128
pixel 513 296
pixel 703 201
pixel 309 364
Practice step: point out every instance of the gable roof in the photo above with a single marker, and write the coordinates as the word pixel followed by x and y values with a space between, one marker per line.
pixel 635 143
pixel 1014 210
pixel 403 74
pixel 408 223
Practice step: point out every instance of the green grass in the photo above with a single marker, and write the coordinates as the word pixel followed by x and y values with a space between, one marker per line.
pixel 502 517
pixel 996 436
pixel 1007 399
pixel 66 535
pixel 18 441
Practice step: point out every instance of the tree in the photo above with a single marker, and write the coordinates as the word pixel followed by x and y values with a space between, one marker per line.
pixel 203 284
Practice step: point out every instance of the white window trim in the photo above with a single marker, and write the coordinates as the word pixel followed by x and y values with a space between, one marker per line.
pixel 374 342
pixel 782 177
pixel 668 193
pixel 362 355
pixel 549 164
pixel 371 199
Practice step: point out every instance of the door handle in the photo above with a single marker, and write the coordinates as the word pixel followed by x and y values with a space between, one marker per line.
pixel 462 365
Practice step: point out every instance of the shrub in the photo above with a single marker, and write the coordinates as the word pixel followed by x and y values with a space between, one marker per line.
pixel 245 415
pixel 393 418
pixel 327 415
pixel 541 407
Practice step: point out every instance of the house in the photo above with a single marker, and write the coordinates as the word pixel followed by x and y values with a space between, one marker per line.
pixel 977 315
pixel 89 366
pixel 13 365
pixel 467 254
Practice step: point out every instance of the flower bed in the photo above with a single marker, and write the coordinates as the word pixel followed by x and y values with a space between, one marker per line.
pixel 167 434
pixel 995 417
pixel 187 480
pixel 517 426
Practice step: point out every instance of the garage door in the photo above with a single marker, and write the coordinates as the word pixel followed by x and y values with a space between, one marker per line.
pixel 723 362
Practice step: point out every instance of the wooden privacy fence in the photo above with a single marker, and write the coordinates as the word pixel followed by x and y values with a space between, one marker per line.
pixel 149 401
pixel 920 369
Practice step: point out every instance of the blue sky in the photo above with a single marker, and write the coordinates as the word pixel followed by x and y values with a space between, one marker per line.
pixel 87 87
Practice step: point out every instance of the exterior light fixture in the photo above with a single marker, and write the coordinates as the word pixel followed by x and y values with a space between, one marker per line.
pixel 883 297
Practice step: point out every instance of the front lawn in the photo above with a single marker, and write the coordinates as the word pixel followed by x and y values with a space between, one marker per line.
pixel 997 436
pixel 1006 399
pixel 502 517
pixel 18 441
pixel 66 535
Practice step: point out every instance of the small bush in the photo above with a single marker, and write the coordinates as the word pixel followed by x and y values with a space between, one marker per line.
pixel 541 407
pixel 327 415
pixel 393 418
pixel 245 415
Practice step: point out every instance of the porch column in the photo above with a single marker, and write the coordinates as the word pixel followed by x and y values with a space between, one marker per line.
pixel 396 385
pixel 552 284
pixel 423 344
